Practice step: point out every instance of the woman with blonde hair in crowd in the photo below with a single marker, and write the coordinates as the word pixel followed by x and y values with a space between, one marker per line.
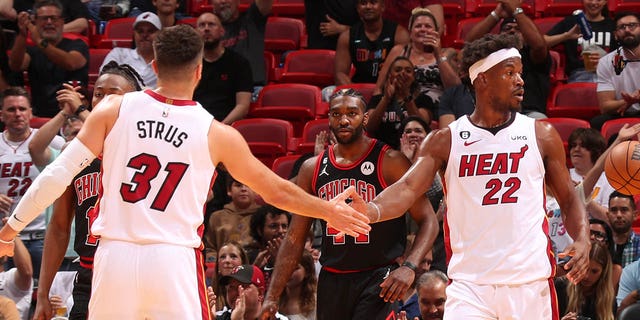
pixel 433 73
pixel 594 297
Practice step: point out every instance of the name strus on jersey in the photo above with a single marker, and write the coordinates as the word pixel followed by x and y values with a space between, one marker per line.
pixel 491 163
pixel 151 129
pixel 87 186
pixel 331 189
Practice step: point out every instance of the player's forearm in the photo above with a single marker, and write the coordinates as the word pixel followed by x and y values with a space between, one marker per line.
pixel 575 219
pixel 393 202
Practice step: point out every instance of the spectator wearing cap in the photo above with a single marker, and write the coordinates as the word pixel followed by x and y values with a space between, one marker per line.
pixel 245 288
pixel 145 28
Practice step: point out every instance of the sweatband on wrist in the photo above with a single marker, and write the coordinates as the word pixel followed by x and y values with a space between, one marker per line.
pixel 491 60
pixel 375 206
pixel 50 184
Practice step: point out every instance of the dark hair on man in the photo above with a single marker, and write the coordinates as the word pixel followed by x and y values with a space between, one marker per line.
pixel 349 92
pixel 14 91
pixel 48 3
pixel 622 14
pixel 483 47
pixel 177 47
pixel 126 71
pixel 618 194
pixel 259 218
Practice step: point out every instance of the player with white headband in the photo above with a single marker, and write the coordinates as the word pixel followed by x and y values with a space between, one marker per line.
pixel 496 164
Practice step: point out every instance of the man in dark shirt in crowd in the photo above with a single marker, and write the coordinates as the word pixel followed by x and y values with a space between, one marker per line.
pixel 52 61
pixel 244 32
pixel 226 83
pixel 367 43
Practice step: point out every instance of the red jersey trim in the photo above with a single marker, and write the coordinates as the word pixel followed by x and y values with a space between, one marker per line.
pixel 165 100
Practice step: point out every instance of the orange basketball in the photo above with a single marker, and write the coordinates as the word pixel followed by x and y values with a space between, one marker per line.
pixel 622 167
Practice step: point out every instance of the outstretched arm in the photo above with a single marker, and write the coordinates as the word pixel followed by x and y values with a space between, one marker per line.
pixel 395 200
pixel 227 146
pixel 55 178
pixel 572 209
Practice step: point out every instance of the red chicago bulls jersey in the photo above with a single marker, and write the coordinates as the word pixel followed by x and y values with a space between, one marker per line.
pixel 496 227
pixel 157 172
pixel 387 239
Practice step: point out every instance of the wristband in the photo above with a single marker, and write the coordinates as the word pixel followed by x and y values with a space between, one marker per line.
pixel 375 206
pixel 7 242
pixel 495 15
pixel 409 265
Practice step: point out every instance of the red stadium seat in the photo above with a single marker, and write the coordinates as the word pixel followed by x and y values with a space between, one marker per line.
pixel 558 8
pixel 556 74
pixel 96 57
pixel 288 8
pixel 464 26
pixel 573 100
pixel 295 102
pixel 612 127
pixel 545 24
pixel 37 122
pixel 315 67
pixel 193 21
pixel 565 126
pixel 117 33
pixel 268 139
pixel 481 8
pixel 270 66
pixel 454 11
pixel 308 141
pixel 283 34
pixel 616 6
pixel 282 166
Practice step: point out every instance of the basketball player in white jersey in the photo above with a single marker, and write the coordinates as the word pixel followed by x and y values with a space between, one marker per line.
pixel 157 173
pixel 495 163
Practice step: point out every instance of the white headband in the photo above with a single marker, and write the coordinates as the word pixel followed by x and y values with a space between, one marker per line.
pixel 491 60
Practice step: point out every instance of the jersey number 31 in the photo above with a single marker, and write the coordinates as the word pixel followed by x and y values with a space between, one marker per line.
pixel 148 166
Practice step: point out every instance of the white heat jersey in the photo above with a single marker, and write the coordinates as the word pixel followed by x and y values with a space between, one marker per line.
pixel 17 172
pixel 156 172
pixel 496 225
